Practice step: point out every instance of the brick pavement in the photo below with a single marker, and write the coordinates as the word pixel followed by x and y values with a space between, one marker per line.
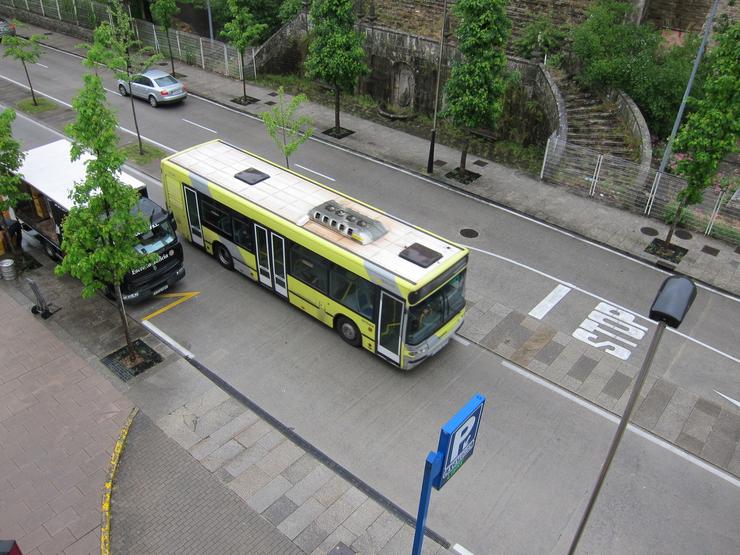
pixel 59 420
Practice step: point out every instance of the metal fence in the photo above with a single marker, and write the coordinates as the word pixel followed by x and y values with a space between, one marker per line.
pixel 639 189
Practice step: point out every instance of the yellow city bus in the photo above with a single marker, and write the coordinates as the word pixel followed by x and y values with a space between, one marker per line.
pixel 385 285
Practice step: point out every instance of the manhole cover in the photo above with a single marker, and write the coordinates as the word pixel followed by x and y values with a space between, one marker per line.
pixel 649 231
pixel 480 163
pixel 710 250
pixel 683 234
pixel 468 233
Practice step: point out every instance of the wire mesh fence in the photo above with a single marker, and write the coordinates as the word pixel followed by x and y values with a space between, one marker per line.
pixel 639 189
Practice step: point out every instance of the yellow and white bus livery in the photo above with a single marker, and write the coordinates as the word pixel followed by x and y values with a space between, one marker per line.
pixel 385 285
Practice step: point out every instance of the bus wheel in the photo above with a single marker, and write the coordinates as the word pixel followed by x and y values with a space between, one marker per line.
pixel 224 257
pixel 349 332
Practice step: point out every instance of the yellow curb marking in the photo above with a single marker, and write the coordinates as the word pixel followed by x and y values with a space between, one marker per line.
pixel 115 459
pixel 182 298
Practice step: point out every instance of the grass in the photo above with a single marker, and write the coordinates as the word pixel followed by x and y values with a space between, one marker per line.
pixel 151 153
pixel 44 105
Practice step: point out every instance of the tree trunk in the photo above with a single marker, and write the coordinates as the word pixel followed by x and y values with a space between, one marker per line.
pixel 244 76
pixel 337 127
pixel 676 219
pixel 169 46
pixel 464 153
pixel 124 321
pixel 136 122
pixel 33 95
pixel 285 148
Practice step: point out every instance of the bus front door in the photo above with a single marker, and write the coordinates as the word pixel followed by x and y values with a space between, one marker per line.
pixel 389 327
pixel 271 260
pixel 191 205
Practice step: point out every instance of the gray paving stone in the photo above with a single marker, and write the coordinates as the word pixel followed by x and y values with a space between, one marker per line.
pixel 617 385
pixel 280 458
pixel 698 425
pixel 718 450
pixel 401 542
pixel 280 510
pixel 180 428
pixel 361 519
pixel 582 368
pixel 310 484
pixel 251 435
pixel 300 468
pixel 691 444
pixel 339 536
pixel 234 427
pixel 341 509
pixel 378 534
pixel 271 439
pixel 331 491
pixel 707 407
pixel 301 518
pixel 222 455
pixel 268 494
pixel 311 537
pixel 549 352
pixel 249 482
pixel 649 411
pixel 218 416
pixel 245 459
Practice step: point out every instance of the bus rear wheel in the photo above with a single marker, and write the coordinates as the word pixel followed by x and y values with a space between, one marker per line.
pixel 224 256
pixel 348 331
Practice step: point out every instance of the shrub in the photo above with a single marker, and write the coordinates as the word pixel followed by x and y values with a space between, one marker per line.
pixel 540 34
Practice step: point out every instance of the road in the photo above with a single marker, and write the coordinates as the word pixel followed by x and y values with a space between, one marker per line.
pixel 540 447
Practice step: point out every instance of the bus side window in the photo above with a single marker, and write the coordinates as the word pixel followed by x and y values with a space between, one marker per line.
pixel 216 217
pixel 243 234
pixel 309 267
pixel 352 291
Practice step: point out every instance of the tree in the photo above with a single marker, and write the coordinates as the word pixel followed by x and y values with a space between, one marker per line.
pixel 285 129
pixel 712 129
pixel 163 12
pixel 11 159
pixel 335 54
pixel 100 230
pixel 477 82
pixel 26 51
pixel 242 31
pixel 115 46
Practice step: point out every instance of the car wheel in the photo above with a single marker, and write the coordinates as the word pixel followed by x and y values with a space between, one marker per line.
pixel 122 90
pixel 348 331
pixel 224 257
pixel 50 252
pixel 153 101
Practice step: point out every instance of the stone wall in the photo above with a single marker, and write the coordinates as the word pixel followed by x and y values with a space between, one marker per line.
pixel 53 24
pixel 632 118
pixel 284 51
pixel 686 15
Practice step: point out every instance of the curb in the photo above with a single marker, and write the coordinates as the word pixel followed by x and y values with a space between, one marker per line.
pixel 115 459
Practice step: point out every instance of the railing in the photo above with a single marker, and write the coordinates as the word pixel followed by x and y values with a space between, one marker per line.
pixel 628 186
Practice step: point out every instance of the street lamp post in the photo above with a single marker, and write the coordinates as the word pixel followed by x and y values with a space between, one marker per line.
pixel 669 308
pixel 430 161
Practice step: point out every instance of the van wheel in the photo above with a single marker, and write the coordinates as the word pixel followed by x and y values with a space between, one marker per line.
pixel 348 331
pixel 122 90
pixel 50 252
pixel 153 101
pixel 224 256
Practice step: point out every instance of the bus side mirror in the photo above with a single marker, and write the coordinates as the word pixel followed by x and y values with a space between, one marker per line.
pixel 173 221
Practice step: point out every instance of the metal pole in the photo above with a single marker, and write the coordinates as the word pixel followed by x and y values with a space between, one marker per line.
pixel 697 60
pixel 595 177
pixel 620 432
pixel 202 57
pixel 177 38
pixel 254 65
pixel 433 139
pixel 431 469
pixel 653 192
pixel 59 12
pixel 544 160
pixel 210 21
pixel 715 213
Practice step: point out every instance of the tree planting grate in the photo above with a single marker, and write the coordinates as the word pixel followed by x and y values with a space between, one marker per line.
pixel 710 250
pixel 116 361
pixel 649 231
pixel 245 100
pixel 468 233
pixel 271 103
pixel 465 177
pixel 667 251
pixel 439 163
pixel 480 163
pixel 683 234
pixel 341 134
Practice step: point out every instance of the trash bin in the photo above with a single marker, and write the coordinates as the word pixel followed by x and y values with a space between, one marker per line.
pixel 7 269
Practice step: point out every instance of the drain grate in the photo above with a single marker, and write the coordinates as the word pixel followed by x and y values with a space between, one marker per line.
pixel 683 234
pixel 480 163
pixel 272 94
pixel 439 163
pixel 468 233
pixel 114 361
pixel 649 231
pixel 710 250
pixel 271 103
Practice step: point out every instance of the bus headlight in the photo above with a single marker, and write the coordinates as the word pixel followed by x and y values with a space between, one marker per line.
pixel 418 350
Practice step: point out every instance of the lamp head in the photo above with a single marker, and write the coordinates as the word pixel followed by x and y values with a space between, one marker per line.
pixel 673 300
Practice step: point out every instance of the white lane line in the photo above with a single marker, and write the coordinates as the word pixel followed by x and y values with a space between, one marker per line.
pixel 614 418
pixel 599 298
pixel 42 65
pixel 457 548
pixel 464 342
pixel 730 399
pixel 154 330
pixel 547 304
pixel 199 125
pixel 313 171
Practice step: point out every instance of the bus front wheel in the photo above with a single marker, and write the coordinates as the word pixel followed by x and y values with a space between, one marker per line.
pixel 349 332
pixel 224 256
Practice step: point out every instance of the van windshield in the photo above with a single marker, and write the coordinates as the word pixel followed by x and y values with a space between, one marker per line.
pixel 156 238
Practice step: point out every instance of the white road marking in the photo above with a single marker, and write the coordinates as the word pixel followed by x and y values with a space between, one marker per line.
pixel 730 399
pixel 199 125
pixel 547 304
pixel 457 548
pixel 614 418
pixel 595 296
pixel 464 342
pixel 164 338
pixel 313 171
pixel 42 65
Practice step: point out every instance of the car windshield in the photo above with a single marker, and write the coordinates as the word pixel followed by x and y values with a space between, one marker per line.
pixel 433 312
pixel 166 80
pixel 156 238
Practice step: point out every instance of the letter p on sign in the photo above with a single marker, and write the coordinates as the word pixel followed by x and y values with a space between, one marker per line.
pixel 463 436
pixel 457 439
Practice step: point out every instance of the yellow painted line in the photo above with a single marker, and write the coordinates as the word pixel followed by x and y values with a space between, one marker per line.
pixel 182 298
pixel 115 459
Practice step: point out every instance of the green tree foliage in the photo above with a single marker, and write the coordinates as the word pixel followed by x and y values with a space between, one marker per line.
pixel 100 231
pixel 712 129
pixel 115 47
pixel 240 32
pixel 263 11
pixel 335 54
pixel 11 159
pixel 26 51
pixel 289 9
pixel 477 83
pixel 163 13
pixel 610 51
pixel 287 131
pixel 540 35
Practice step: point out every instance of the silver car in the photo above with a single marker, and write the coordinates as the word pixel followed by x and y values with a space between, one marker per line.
pixel 156 86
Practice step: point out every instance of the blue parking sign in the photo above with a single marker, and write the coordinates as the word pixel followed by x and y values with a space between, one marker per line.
pixel 457 439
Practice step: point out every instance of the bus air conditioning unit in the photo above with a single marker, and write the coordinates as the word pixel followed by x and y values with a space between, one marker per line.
pixel 350 223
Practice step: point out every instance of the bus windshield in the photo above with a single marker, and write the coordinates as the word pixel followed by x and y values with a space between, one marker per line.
pixel 433 312
pixel 156 238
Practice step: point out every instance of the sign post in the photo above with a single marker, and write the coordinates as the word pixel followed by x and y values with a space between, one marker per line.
pixel 456 444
